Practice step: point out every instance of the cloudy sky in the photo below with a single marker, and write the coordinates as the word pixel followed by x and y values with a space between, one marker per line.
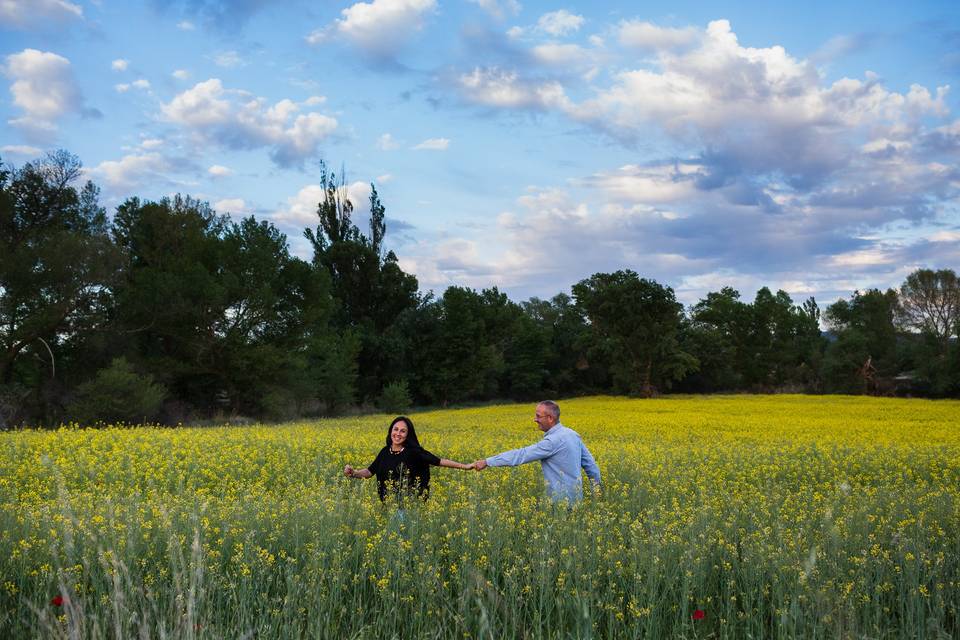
pixel 525 144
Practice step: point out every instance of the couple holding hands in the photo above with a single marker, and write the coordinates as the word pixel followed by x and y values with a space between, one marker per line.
pixel 404 464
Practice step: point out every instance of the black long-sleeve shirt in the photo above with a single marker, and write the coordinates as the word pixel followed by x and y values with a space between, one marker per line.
pixel 409 469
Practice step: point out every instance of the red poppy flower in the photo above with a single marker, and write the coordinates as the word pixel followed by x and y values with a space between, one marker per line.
pixel 699 614
pixel 57 601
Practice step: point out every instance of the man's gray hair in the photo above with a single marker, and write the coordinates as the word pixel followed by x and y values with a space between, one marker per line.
pixel 552 408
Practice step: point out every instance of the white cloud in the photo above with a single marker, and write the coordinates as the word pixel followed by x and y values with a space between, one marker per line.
pixel 206 104
pixel 38 13
pixel 758 110
pixel 749 111
pixel 43 87
pixel 219 171
pixel 186 25
pixel 132 171
pixel 660 221
pixel 381 27
pixel 561 54
pixel 120 64
pixel 783 179
pixel 433 144
pixel 237 120
pixel 301 210
pixel 123 87
pixel 644 35
pixel 494 87
pixel 386 142
pixel 945 236
pixel 883 145
pixel 151 143
pixel 21 150
pixel 860 259
pixel 231 205
pixel 181 74
pixel 656 185
pixel 499 9
pixel 359 194
pixel 559 23
pixel 228 59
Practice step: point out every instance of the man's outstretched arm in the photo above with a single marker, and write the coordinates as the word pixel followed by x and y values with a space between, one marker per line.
pixel 543 449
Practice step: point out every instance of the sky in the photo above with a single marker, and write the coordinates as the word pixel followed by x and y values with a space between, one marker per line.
pixel 813 148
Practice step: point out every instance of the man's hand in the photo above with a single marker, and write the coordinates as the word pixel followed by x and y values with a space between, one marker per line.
pixel 348 471
pixel 480 465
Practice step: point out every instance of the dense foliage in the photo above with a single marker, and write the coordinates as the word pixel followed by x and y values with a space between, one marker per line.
pixel 214 317
pixel 721 517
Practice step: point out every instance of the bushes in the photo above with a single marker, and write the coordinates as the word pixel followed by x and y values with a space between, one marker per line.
pixel 395 397
pixel 117 394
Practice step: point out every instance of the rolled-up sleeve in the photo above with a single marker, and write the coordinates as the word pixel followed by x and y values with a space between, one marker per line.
pixel 542 449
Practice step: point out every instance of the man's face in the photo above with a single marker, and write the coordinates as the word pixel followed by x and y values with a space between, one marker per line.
pixel 544 418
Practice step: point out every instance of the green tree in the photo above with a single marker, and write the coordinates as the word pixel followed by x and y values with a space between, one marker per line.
pixel 640 322
pixel 371 289
pixel 930 305
pixel 275 305
pixel 526 353
pixel 56 266
pixel 783 343
pixel 718 335
pixel 117 394
pixel 173 293
pixel 572 366
pixel 332 368
pixel 864 349
pixel 395 397
pixel 456 360
pixel 224 315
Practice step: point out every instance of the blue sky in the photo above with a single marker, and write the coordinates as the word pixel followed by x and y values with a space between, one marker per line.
pixel 521 144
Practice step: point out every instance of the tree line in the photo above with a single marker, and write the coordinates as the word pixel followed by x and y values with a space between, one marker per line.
pixel 170 312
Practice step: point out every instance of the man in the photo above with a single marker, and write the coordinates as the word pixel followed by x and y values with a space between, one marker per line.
pixel 561 453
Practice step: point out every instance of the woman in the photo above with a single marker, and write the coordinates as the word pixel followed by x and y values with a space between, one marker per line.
pixel 403 463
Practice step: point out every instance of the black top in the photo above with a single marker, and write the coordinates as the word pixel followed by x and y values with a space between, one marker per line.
pixel 405 470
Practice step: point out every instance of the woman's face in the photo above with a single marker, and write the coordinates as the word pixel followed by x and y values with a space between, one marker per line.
pixel 398 433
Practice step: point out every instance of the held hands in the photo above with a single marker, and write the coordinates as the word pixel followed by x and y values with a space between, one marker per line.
pixel 348 471
pixel 480 465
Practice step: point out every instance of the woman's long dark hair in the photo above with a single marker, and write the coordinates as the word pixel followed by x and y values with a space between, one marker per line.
pixel 411 440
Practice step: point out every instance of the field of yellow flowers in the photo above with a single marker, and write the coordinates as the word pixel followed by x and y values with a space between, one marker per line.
pixel 721 517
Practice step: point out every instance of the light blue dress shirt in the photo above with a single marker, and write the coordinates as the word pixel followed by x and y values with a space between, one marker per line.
pixel 562 454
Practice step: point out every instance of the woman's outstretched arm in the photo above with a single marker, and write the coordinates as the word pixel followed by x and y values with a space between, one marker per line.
pixel 350 472
pixel 453 464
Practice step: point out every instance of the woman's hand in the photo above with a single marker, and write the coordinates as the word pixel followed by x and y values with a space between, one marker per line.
pixel 453 464
pixel 469 467
pixel 348 471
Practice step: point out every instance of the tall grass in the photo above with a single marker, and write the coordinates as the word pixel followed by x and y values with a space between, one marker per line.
pixel 783 517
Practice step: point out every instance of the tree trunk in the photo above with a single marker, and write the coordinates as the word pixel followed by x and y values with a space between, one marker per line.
pixel 647 389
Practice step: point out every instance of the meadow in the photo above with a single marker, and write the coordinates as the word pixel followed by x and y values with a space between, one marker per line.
pixel 721 517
